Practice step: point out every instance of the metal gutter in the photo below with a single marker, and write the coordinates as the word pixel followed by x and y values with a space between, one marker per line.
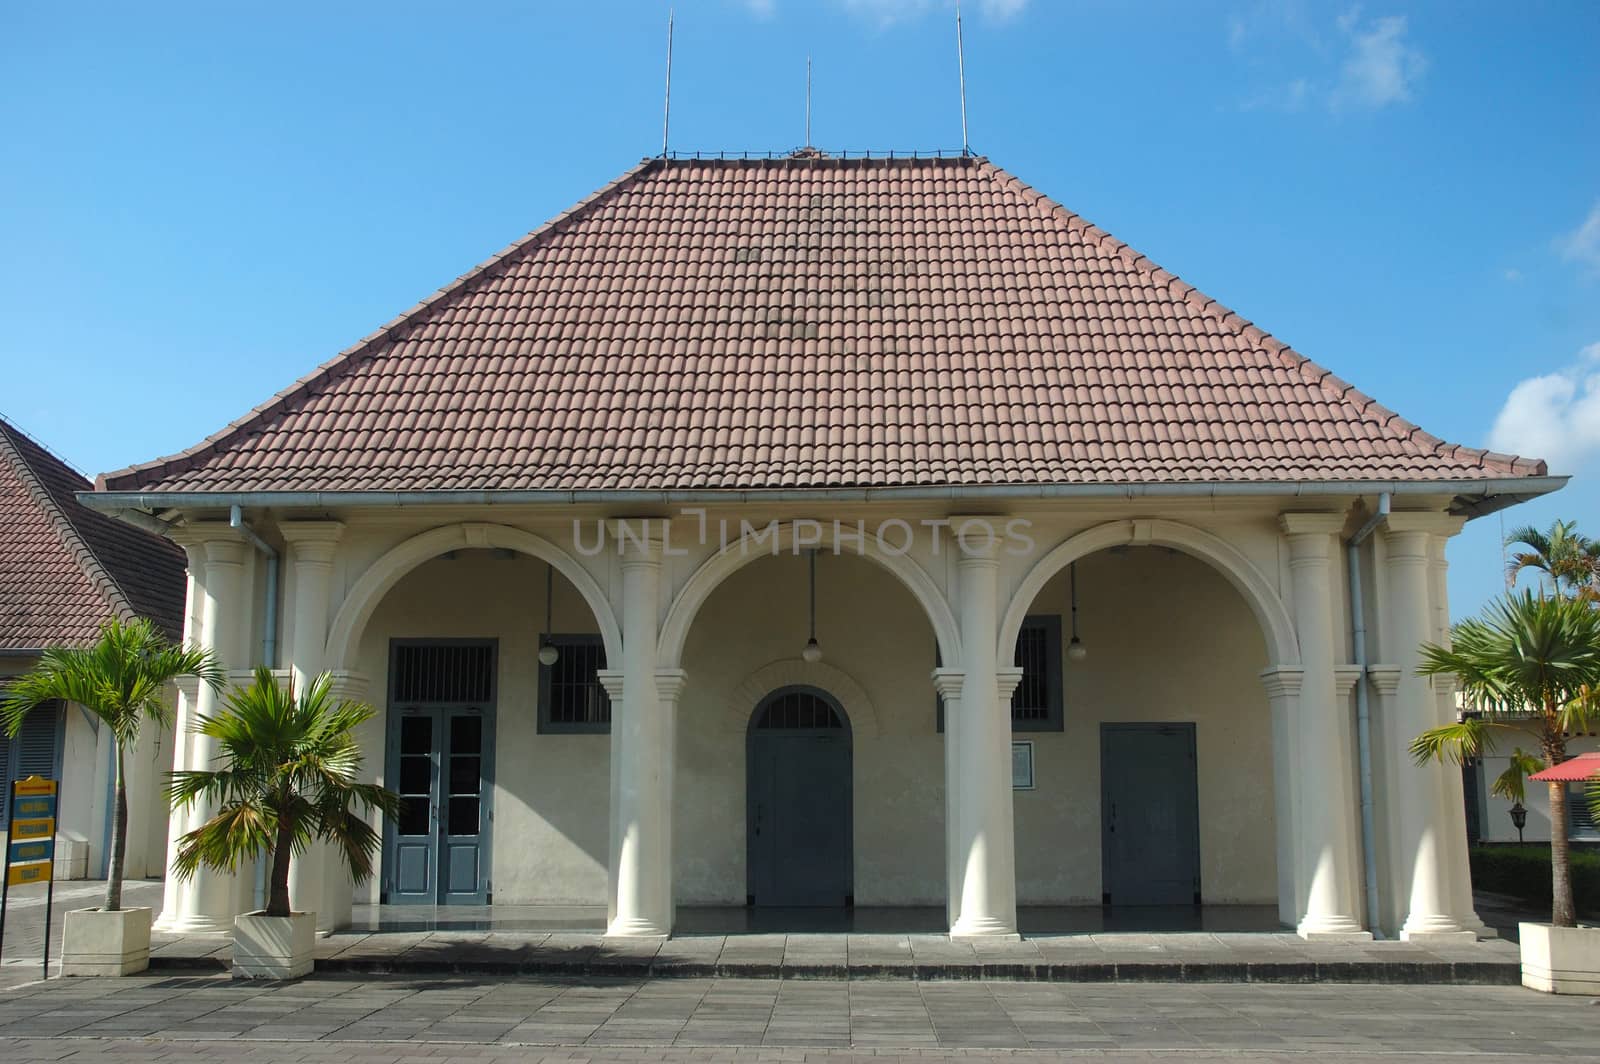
pixel 1503 491
pixel 269 641
pixel 1358 642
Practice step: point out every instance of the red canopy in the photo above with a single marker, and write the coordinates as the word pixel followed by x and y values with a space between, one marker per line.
pixel 1572 770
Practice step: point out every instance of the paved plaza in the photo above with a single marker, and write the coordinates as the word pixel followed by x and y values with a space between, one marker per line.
pixel 416 1020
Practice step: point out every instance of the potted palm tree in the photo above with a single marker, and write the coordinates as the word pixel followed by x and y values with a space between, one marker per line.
pixel 1530 665
pixel 289 777
pixel 123 679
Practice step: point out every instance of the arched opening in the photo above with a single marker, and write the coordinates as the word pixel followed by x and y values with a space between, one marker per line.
pixel 798 802
pixel 878 654
pixel 501 757
pixel 1153 786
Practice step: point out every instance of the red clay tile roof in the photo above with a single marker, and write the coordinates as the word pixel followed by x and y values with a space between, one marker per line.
pixel 813 323
pixel 65 569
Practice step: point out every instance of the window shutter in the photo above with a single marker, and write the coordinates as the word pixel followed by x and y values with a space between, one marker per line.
pixel 35 751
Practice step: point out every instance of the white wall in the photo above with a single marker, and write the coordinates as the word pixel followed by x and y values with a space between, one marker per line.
pixel 1495 819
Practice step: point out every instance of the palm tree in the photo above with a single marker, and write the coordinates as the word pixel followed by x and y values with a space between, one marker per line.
pixel 1530 664
pixel 289 778
pixel 121 678
pixel 1570 561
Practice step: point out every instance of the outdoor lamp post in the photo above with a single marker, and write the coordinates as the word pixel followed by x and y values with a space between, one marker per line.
pixel 1519 817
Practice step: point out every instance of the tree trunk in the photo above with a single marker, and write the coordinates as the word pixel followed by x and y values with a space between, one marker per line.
pixel 119 836
pixel 1561 909
pixel 278 885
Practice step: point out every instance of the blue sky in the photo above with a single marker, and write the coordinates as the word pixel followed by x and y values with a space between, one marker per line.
pixel 198 203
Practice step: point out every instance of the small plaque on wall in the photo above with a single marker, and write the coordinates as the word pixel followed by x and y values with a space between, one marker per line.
pixel 1022 765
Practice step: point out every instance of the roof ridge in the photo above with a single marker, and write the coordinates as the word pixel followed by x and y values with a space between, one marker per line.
pixel 183 460
pixel 1314 373
pixel 105 582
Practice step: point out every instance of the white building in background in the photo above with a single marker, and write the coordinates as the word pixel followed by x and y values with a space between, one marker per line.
pixel 1075 535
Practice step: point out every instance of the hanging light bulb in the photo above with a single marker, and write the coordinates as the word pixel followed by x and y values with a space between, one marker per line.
pixel 1076 651
pixel 548 654
pixel 813 650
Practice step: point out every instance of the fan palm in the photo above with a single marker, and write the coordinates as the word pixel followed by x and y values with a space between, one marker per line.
pixel 1531 664
pixel 1570 561
pixel 289 778
pixel 122 678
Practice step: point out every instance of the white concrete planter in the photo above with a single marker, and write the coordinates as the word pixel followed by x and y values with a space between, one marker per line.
pixel 1561 960
pixel 273 947
pixel 96 942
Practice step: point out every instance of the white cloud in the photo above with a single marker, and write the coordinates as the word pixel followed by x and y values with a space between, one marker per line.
pixel 1513 275
pixel 890 12
pixel 1555 416
pixel 761 8
pixel 1381 68
pixel 1583 243
pixel 1001 10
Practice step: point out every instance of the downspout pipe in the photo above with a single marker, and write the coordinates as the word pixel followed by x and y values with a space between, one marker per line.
pixel 1358 642
pixel 269 642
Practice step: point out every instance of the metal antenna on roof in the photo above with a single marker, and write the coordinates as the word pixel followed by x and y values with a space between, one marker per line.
pixel 808 101
pixel 961 68
pixel 666 113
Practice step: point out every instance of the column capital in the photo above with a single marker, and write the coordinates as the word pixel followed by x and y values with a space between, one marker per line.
pixel 1386 678
pixel 1431 522
pixel 1311 524
pixel 977 536
pixel 611 680
pixel 1345 678
pixel 313 542
pixel 1446 684
pixel 188 686
pixel 224 551
pixel 669 683
pixel 948 682
pixel 1005 682
pixel 1282 680
pixel 349 684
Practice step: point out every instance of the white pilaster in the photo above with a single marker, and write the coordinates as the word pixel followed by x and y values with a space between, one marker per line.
pixel 1283 683
pixel 209 902
pixel 1420 809
pixel 1322 769
pixel 317 882
pixel 176 893
pixel 981 742
pixel 640 879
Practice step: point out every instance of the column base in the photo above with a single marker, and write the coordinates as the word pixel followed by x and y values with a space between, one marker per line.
pixel 985 927
pixel 636 927
pixel 1435 931
pixel 1335 929
pixel 192 925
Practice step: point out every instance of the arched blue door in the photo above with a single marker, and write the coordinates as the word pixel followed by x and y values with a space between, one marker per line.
pixel 799 801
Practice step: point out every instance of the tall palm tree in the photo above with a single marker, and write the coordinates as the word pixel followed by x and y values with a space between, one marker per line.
pixel 1530 664
pixel 122 678
pixel 288 778
pixel 1570 561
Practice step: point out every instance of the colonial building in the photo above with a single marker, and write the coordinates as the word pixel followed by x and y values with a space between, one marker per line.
pixel 818 531
pixel 64 571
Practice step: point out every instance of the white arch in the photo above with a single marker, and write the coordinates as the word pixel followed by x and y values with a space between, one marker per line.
pixel 736 555
pixel 385 573
pixel 1264 602
pixel 793 672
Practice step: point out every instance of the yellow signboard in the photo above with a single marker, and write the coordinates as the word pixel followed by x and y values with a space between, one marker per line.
pixel 37 872
pixel 35 785
pixel 32 829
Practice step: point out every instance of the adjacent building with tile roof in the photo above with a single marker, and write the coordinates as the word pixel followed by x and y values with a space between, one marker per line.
pixel 66 569
pixel 819 531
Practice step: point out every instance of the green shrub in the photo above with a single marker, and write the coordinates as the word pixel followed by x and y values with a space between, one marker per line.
pixel 1523 872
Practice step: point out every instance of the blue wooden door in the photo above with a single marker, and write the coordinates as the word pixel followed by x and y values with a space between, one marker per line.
pixel 410 861
pixel 799 802
pixel 1150 825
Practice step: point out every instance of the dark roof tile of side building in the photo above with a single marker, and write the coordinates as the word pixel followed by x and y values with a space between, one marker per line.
pixel 813 323
pixel 65 569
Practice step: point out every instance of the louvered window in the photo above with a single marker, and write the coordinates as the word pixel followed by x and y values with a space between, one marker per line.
pixel 1580 819
pixel 570 696
pixel 798 710
pixel 443 670
pixel 1036 704
pixel 34 751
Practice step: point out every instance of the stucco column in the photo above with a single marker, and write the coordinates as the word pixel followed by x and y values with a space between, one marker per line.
pixel 210 901
pixel 1283 684
pixel 948 683
pixel 1444 687
pixel 985 843
pixel 1419 810
pixel 315 877
pixel 640 894
pixel 176 893
pixel 1322 766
